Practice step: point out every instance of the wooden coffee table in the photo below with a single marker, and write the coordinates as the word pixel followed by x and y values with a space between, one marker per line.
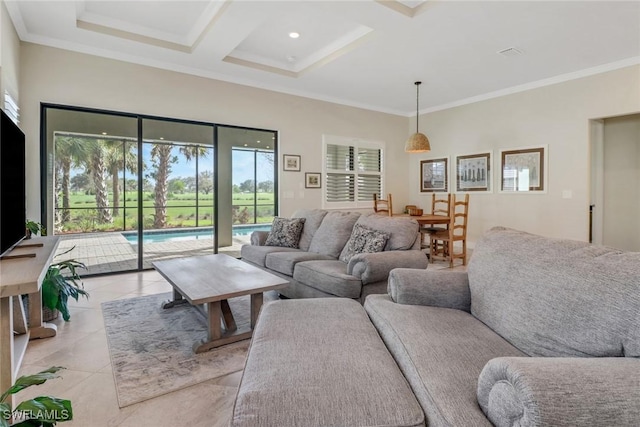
pixel 211 280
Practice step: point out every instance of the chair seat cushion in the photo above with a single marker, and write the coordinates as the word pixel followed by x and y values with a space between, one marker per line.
pixel 285 262
pixel 258 254
pixel 441 352
pixel 328 276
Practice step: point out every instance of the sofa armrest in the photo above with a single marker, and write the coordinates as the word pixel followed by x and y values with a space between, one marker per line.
pixel 557 391
pixel 448 289
pixel 374 267
pixel 258 238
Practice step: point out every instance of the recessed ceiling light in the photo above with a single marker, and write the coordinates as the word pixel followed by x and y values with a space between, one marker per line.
pixel 258 141
pixel 104 133
pixel 246 145
pixel 294 35
pixel 162 137
pixel 268 146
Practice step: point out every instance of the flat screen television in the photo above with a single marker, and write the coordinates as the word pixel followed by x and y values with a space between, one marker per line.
pixel 12 184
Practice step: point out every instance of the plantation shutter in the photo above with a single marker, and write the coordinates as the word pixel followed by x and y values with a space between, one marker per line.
pixel 353 173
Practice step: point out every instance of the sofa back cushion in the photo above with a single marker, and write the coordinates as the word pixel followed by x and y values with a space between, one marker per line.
pixel 403 231
pixel 333 233
pixel 556 297
pixel 313 219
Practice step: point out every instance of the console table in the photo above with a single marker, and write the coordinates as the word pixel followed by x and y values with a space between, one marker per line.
pixel 20 276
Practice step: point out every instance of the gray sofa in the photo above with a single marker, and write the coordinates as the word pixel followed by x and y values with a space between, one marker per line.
pixel 314 269
pixel 538 332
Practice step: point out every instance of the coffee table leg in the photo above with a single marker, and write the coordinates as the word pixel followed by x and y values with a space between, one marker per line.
pixel 227 315
pixel 256 303
pixel 214 328
pixel 177 299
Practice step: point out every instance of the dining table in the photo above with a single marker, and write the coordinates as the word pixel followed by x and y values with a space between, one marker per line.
pixel 427 218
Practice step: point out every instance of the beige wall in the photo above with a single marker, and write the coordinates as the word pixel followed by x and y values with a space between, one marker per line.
pixel 9 56
pixel 557 116
pixel 622 182
pixel 62 77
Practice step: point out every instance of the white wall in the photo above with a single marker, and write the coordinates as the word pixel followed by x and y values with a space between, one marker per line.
pixel 557 116
pixel 621 228
pixel 62 77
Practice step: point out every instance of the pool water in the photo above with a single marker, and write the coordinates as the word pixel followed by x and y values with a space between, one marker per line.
pixel 179 235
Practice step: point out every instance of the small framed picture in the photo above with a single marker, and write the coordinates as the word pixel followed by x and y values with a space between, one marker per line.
pixel 523 170
pixel 473 172
pixel 434 175
pixel 291 162
pixel 312 180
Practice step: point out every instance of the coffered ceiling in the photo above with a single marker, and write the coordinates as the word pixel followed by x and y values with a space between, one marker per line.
pixel 363 53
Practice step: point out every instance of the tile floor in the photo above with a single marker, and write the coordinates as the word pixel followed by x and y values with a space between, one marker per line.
pixel 81 347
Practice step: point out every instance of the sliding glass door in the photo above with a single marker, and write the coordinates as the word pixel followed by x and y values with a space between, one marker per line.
pixel 124 190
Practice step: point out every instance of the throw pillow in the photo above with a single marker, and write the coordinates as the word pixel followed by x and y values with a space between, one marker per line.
pixel 364 240
pixel 285 232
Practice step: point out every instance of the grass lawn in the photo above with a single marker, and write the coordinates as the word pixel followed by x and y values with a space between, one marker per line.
pixel 181 211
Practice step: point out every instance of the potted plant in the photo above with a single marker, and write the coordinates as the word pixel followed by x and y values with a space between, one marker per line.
pixel 39 411
pixel 32 228
pixel 61 282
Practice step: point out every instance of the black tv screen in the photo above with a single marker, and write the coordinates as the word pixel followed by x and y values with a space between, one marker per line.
pixel 12 184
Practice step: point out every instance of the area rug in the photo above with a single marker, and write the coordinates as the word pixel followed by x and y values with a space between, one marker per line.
pixel 151 348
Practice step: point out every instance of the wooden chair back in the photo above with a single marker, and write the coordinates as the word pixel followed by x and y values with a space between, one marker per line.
pixel 440 204
pixel 384 206
pixel 441 244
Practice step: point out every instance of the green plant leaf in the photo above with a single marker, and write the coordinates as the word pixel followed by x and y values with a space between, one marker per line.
pixel 29 380
pixel 46 409
pixel 5 414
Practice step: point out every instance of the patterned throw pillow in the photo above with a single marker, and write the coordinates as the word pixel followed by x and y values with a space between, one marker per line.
pixel 364 240
pixel 285 232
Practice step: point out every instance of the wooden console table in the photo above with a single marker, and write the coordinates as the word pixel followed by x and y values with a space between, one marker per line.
pixel 20 276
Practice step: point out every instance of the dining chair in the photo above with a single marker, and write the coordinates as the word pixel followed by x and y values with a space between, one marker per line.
pixel 442 242
pixel 382 205
pixel 439 206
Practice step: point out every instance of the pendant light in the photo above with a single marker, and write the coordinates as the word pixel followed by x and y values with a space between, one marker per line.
pixel 418 142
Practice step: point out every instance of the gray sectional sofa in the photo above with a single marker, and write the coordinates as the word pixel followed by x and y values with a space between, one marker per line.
pixel 316 268
pixel 537 332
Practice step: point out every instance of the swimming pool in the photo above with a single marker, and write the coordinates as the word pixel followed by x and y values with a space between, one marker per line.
pixel 179 235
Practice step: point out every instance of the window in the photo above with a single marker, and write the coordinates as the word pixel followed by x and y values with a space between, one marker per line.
pixel 11 108
pixel 353 172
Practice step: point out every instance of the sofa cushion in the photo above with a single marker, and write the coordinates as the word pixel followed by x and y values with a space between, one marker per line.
pixel 363 240
pixel 284 262
pixel 333 233
pixel 285 232
pixel 258 254
pixel 328 276
pixel 313 219
pixel 442 359
pixel 332 372
pixel 402 231
pixel 555 297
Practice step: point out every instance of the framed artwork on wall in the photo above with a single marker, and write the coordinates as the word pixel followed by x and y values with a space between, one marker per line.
pixel 434 175
pixel 473 172
pixel 312 180
pixel 291 162
pixel 523 170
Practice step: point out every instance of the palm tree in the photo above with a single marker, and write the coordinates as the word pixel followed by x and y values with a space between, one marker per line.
pixel 162 160
pixel 120 155
pixel 69 152
pixel 97 168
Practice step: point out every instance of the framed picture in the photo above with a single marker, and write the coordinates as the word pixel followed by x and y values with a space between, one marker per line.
pixel 523 170
pixel 291 162
pixel 312 180
pixel 473 172
pixel 434 175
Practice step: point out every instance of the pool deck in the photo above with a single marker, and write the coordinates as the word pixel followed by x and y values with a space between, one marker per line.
pixel 112 252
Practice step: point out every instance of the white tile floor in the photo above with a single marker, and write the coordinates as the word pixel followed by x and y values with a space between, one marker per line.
pixel 81 347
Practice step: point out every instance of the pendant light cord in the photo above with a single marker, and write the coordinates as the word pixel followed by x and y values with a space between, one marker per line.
pixel 417 103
